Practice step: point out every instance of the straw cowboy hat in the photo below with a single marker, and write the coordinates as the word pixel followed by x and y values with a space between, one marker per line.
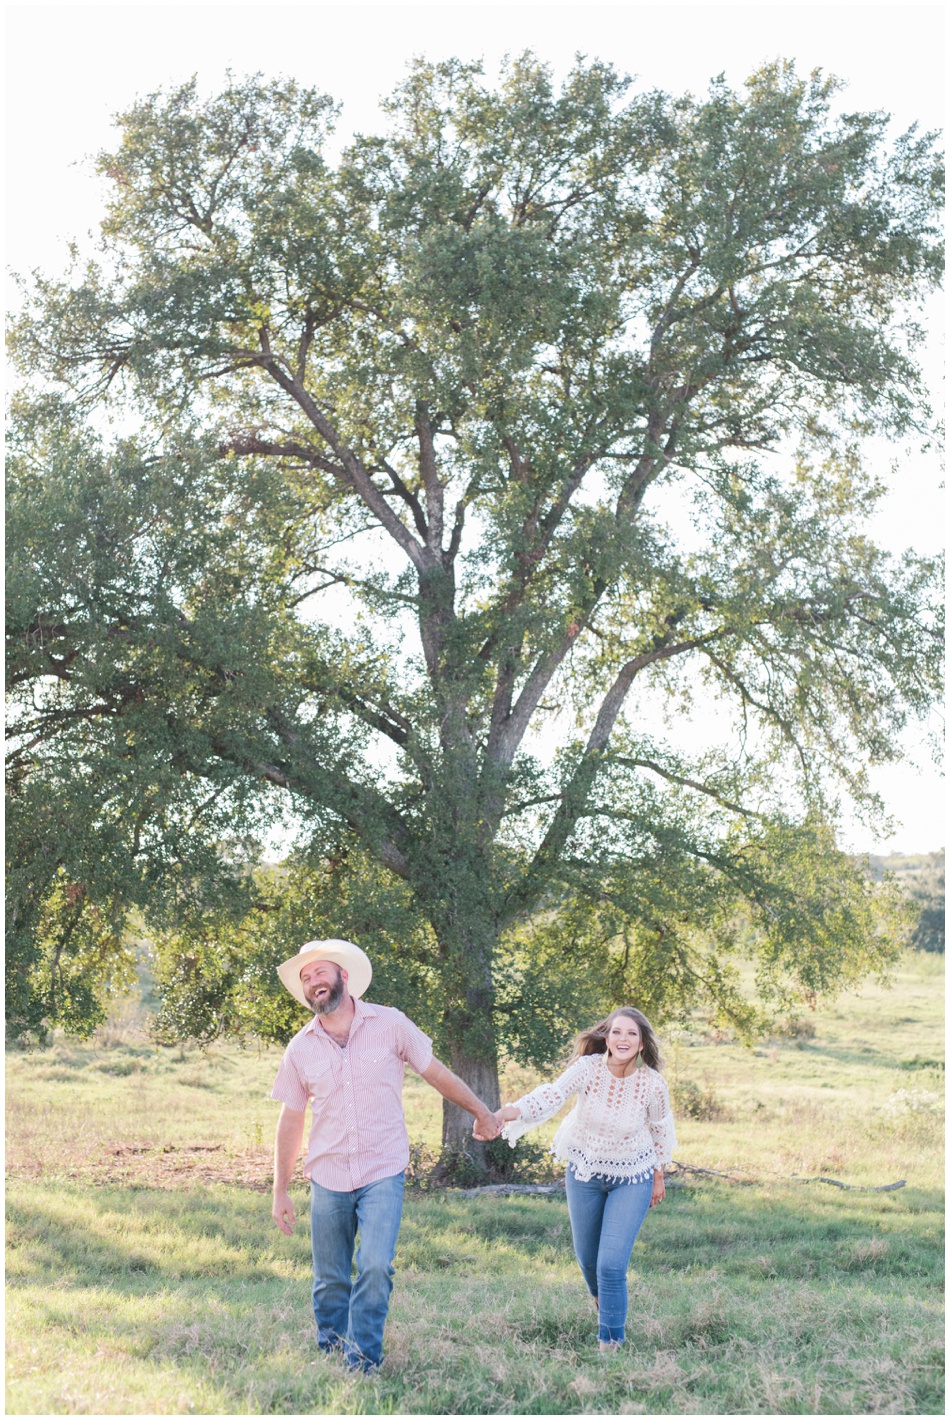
pixel 356 964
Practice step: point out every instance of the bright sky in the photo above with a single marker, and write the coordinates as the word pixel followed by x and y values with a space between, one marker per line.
pixel 70 67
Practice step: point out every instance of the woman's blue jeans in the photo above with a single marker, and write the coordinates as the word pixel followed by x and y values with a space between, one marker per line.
pixel 605 1220
pixel 351 1312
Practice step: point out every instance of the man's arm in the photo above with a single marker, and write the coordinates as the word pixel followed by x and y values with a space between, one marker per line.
pixel 456 1090
pixel 286 1148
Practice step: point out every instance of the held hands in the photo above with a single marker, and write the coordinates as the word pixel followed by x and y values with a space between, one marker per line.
pixel 500 1118
pixel 486 1127
pixel 493 1122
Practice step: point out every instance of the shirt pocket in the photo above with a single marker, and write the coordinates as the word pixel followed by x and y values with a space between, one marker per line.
pixel 375 1068
pixel 319 1083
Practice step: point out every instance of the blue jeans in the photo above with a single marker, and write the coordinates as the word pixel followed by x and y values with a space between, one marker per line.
pixel 605 1220
pixel 351 1313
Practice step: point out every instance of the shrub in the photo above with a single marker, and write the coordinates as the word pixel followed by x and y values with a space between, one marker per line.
pixel 695 1102
pixel 795 1028
pixel 460 1168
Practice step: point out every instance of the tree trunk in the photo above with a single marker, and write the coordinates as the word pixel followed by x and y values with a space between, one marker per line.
pixel 482 1077
pixel 469 1029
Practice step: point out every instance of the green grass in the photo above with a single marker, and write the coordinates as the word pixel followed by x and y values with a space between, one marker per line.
pixel 136 1287
pixel 743 1301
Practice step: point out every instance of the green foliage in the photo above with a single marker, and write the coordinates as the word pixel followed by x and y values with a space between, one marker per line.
pixel 417 432
pixel 216 970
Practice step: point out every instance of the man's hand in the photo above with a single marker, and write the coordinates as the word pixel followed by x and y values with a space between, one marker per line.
pixel 450 1087
pixel 283 1213
pixel 659 1187
pixel 486 1127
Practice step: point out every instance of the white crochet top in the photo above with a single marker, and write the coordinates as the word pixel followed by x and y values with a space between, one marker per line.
pixel 620 1128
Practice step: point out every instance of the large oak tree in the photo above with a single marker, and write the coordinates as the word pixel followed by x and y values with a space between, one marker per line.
pixel 447 462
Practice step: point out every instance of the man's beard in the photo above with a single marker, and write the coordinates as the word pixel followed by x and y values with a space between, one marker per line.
pixel 331 1000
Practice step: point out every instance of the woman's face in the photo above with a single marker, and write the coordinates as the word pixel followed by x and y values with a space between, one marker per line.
pixel 624 1040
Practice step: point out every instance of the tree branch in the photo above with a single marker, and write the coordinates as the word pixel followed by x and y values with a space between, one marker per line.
pixel 398 733
pixel 574 796
pixel 408 497
pixel 248 444
pixel 768 711
pixel 685 782
pixel 430 481
pixel 351 469
pixel 357 804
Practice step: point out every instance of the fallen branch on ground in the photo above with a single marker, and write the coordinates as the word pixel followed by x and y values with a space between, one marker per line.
pixel 557 1189
pixel 550 1189
pixel 794 1178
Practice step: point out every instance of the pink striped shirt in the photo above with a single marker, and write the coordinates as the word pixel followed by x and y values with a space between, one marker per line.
pixel 358 1128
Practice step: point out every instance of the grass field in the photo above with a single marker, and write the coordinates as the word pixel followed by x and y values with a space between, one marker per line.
pixel 145 1276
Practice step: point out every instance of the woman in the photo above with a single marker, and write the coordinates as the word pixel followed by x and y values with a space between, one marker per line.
pixel 615 1142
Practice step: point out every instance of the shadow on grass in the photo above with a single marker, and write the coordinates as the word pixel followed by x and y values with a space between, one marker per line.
pixel 804 1231
pixel 116 1233
pixel 226 1233
pixel 200 1283
pixel 863 1056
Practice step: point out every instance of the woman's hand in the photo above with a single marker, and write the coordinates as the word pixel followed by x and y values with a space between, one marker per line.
pixel 486 1127
pixel 659 1187
pixel 507 1113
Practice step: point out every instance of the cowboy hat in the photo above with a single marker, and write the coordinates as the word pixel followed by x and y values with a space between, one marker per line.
pixel 356 964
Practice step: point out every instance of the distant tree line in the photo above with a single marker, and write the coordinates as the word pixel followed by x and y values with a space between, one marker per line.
pixel 921 875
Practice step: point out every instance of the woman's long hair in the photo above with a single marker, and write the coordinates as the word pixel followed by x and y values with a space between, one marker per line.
pixel 593 1041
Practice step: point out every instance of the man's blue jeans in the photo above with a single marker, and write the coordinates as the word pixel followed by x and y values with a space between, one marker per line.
pixel 605 1220
pixel 352 1312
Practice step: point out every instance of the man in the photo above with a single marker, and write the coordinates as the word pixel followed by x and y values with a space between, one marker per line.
pixel 348 1063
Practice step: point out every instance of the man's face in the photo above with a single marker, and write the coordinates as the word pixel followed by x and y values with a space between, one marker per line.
pixel 323 985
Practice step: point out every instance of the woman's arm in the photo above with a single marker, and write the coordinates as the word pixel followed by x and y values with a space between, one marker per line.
pixel 543 1103
pixel 660 1124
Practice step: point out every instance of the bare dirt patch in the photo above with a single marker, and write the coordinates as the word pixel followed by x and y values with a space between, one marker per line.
pixel 163 1166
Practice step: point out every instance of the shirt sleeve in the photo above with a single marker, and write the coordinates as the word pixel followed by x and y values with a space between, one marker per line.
pixel 544 1102
pixel 414 1046
pixel 289 1087
pixel 660 1122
